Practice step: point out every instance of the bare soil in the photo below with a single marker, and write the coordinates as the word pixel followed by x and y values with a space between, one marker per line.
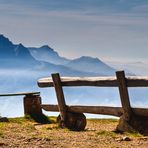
pixel 98 134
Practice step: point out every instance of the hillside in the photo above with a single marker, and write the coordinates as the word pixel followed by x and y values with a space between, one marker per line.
pixel 15 56
pixel 45 59
pixel 21 132
pixel 90 64
pixel 47 54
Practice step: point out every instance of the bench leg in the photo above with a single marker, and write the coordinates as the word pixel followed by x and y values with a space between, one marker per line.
pixel 60 96
pixel 32 105
pixel 71 120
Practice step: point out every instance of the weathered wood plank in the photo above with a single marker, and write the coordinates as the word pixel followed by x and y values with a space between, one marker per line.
pixel 115 111
pixel 50 107
pixel 132 81
pixel 124 95
pixel 79 81
pixel 20 94
pixel 60 95
pixel 32 105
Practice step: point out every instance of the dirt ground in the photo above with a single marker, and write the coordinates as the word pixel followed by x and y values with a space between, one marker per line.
pixel 98 134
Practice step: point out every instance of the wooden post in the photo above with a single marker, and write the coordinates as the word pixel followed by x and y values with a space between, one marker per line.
pixel 124 95
pixel 60 96
pixel 32 105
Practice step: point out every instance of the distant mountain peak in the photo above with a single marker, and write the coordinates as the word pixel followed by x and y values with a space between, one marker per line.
pixel 47 54
pixel 17 53
pixel 90 64
pixel 4 41
pixel 1 35
pixel 45 46
pixel 20 45
pixel 87 59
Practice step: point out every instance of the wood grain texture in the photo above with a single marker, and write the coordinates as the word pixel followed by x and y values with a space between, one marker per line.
pixel 124 96
pixel 60 95
pixel 115 111
pixel 132 81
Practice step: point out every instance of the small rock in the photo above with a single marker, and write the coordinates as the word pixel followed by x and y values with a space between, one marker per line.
pixel 2 144
pixel 143 138
pixel 126 138
pixel 123 139
pixel 4 119
pixel 118 139
pixel 46 139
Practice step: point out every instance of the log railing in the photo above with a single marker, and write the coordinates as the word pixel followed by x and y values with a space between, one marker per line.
pixel 131 81
pixel 126 112
pixel 31 101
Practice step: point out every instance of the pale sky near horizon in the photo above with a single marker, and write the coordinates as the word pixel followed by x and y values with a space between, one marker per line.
pixel 113 30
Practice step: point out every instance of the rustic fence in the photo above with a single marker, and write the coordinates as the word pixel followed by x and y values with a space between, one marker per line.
pixel 73 117
pixel 31 101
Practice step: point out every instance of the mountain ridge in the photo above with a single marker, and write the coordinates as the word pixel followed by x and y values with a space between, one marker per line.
pixel 47 59
pixel 90 64
pixel 47 54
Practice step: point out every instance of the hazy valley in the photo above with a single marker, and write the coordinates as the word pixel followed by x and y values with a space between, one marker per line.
pixel 21 67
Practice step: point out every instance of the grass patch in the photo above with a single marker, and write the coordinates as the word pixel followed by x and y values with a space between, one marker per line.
pixel 104 120
pixel 40 137
pixel 1 135
pixel 133 134
pixel 30 128
pixel 53 128
pixel 52 119
pixel 19 120
pixel 2 124
pixel 106 133
pixel 38 118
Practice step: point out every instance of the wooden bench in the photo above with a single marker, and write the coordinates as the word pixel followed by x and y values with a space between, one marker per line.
pixel 31 100
pixel 73 117
pixel 20 94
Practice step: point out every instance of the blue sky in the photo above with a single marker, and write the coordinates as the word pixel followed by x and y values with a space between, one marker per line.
pixel 112 30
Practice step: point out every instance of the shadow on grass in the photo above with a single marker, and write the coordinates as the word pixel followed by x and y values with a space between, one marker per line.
pixel 4 119
pixel 41 118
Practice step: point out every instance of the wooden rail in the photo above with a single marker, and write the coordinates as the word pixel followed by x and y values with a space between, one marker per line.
pixel 20 94
pixel 131 81
pixel 129 117
pixel 104 110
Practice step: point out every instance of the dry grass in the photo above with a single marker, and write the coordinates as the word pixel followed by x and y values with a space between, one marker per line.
pixel 20 132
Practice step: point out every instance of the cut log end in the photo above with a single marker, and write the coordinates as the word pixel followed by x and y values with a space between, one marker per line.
pixel 136 123
pixel 74 121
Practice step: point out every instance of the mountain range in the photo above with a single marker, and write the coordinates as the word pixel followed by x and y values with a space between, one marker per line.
pixel 46 59
pixel 14 56
pixel 21 67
